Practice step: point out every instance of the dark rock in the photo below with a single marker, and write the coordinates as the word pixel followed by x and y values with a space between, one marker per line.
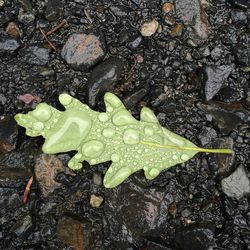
pixel 141 210
pixel 134 41
pixel 46 169
pixel 8 134
pixel 213 78
pixel 54 9
pixel 228 94
pixel 238 17
pixel 82 51
pixel 217 52
pixel 237 184
pixel 103 78
pixel 246 103
pixel 242 54
pixel 3 99
pixel 132 99
pixel 196 236
pixel 207 135
pixel 123 37
pixel 26 17
pixel 23 227
pixel 242 4
pixel 191 12
pixel 26 5
pixel 226 116
pixel 223 163
pixel 74 233
pixel 8 45
pixel 9 199
pixel 120 10
pixel 35 55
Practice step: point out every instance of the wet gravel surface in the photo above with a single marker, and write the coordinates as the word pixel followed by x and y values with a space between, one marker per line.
pixel 187 60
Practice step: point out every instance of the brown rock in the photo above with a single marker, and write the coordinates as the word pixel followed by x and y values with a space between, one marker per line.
pixel 96 201
pixel 74 233
pixel 46 169
pixel 13 30
pixel 167 7
pixel 82 51
pixel 177 30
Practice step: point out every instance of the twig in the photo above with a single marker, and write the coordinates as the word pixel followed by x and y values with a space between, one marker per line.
pixel 88 16
pixel 59 26
pixel 47 39
pixel 27 190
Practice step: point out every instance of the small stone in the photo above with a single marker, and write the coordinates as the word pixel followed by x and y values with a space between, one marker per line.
pixel 1 3
pixel 23 227
pixel 8 134
pixel 237 184
pixel 97 178
pixel 242 54
pixel 75 233
pixel 103 78
pixel 177 30
pixel 54 9
pixel 242 4
pixel 135 41
pixel 149 28
pixel 167 7
pixel 35 55
pixel 207 135
pixel 96 201
pixel 13 30
pixel 46 169
pixel 120 10
pixel 82 51
pixel 169 20
pixel 239 17
pixel 214 77
pixel 8 45
pixel 26 17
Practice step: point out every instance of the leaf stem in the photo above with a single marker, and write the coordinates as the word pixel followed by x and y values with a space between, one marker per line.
pixel 206 150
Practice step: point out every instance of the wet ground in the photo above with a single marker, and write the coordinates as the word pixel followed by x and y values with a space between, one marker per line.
pixel 189 61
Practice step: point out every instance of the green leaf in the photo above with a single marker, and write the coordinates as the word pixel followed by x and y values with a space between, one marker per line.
pixel 114 135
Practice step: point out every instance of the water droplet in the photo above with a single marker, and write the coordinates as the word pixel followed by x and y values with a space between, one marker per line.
pixel 103 117
pixel 38 126
pixel 175 157
pixel 108 132
pixel 139 151
pixel 109 109
pixel 154 172
pixel 113 100
pixel 115 157
pixel 78 156
pixel 184 157
pixel 65 99
pixel 93 148
pixel 42 112
pixel 131 136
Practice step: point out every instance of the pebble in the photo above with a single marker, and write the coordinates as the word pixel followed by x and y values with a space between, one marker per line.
pixel 149 28
pixel 237 184
pixel 82 51
pixel 97 178
pixel 8 45
pixel 8 134
pixel 239 18
pixel 54 9
pixel 196 236
pixel 120 10
pixel 46 169
pixel 207 135
pixel 35 55
pixel 191 12
pixel 13 30
pixel 103 78
pixel 213 78
pixel 134 41
pixel 242 54
pixel 26 17
pixel 23 227
pixel 167 7
pixel 177 30
pixel 95 200
pixel 74 233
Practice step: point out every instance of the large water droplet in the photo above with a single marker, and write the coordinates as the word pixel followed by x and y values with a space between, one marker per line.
pixel 65 99
pixel 93 148
pixel 103 117
pixel 131 136
pixel 38 126
pixel 115 157
pixel 184 157
pixel 154 172
pixel 175 157
pixel 108 132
